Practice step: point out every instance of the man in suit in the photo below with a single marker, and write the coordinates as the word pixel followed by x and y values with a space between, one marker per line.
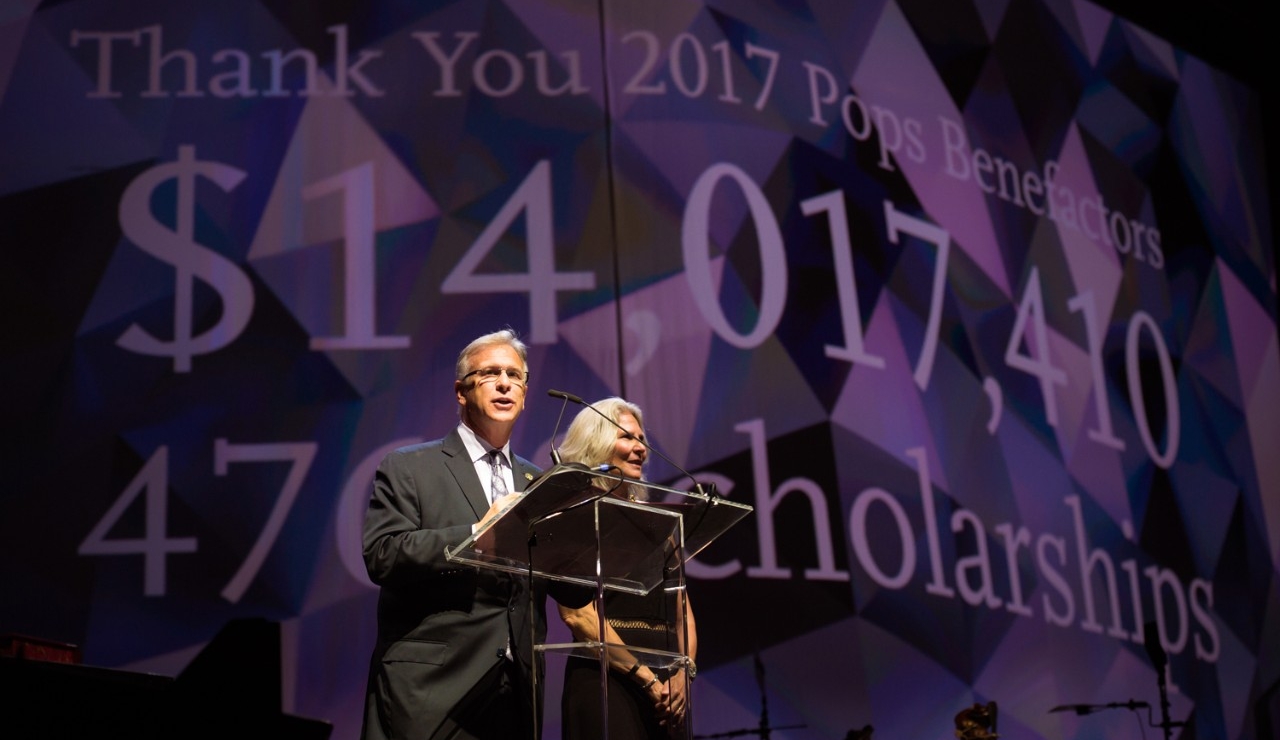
pixel 454 657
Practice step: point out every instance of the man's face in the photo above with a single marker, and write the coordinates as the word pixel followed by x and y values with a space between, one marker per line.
pixel 492 395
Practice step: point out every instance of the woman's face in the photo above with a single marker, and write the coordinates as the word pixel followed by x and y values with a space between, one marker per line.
pixel 629 450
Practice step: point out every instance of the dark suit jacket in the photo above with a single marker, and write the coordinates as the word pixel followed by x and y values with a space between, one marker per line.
pixel 442 626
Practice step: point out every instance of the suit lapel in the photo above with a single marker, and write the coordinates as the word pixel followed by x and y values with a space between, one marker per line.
pixel 523 474
pixel 464 472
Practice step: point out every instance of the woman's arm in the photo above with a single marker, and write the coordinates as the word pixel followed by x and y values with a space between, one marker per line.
pixel 584 623
pixel 678 685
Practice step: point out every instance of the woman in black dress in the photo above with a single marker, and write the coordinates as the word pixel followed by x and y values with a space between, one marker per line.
pixel 643 703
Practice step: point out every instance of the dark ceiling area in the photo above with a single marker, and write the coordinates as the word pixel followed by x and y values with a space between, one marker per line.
pixel 1235 36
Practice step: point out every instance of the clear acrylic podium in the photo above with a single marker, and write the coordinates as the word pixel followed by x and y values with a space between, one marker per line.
pixel 600 530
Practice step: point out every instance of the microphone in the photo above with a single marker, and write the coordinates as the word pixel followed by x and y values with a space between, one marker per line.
pixel 709 490
pixel 567 397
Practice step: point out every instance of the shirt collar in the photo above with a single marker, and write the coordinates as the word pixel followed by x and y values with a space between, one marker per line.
pixel 477 449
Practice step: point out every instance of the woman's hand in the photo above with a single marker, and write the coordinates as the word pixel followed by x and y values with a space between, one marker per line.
pixel 677 695
pixel 675 704
pixel 656 691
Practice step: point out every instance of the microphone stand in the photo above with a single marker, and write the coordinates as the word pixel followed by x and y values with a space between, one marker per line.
pixel 1083 709
pixel 1159 661
pixel 1166 723
pixel 763 729
pixel 707 489
pixel 555 453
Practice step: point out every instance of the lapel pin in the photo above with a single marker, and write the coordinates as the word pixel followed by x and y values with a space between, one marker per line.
pixel 528 476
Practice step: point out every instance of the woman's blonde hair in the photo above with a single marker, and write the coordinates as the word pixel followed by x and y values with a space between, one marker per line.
pixel 591 437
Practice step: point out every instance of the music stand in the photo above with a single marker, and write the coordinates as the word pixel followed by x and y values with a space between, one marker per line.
pixel 600 530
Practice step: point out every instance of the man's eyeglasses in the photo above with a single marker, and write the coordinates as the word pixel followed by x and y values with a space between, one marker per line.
pixel 515 376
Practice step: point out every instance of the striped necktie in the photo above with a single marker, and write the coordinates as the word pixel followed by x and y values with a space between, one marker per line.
pixel 498 489
pixel 497 481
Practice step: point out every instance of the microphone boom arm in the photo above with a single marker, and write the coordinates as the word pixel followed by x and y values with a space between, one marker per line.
pixel 708 489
